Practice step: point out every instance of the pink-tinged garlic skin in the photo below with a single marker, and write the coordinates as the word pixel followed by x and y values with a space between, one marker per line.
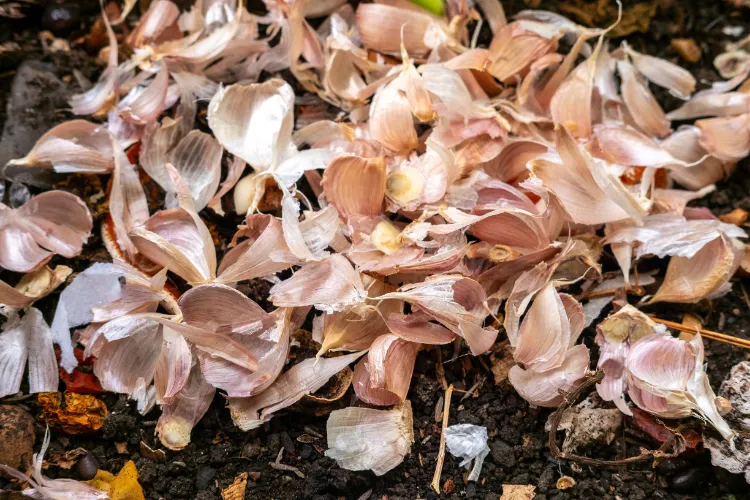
pixel 667 378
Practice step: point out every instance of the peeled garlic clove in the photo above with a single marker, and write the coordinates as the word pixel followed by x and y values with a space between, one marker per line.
pixel 385 237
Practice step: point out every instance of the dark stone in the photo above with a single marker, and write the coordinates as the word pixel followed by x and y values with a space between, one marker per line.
pixel 546 479
pixel 36 96
pixel 687 481
pixel 61 18
pixel 671 465
pixel 87 466
pixel 203 477
pixel 288 443
pixel 273 442
pixel 502 453
pixel 252 450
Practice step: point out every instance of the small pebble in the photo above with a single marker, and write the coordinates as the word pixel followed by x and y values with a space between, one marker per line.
pixel 203 477
pixel 87 466
pixel 686 481
pixel 62 18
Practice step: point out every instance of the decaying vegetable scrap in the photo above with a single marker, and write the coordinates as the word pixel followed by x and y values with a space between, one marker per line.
pixel 459 188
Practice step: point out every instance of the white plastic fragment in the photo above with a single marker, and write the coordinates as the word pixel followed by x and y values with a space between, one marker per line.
pixel 469 442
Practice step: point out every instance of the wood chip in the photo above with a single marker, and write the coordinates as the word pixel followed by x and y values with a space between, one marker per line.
pixel 687 49
pixel 518 492
pixel 236 490
pixel 122 448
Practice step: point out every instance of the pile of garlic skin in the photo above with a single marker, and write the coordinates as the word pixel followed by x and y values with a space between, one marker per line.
pixel 457 188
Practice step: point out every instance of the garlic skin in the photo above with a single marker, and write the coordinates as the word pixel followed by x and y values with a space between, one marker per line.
pixel 367 439
pixel 666 377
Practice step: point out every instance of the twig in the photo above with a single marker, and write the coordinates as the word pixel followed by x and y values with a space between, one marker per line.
pixel 720 337
pixel 472 389
pixel 676 443
pixel 441 452
pixel 277 465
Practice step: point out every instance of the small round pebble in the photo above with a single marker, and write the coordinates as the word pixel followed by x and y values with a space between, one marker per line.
pixel 61 18
pixel 87 466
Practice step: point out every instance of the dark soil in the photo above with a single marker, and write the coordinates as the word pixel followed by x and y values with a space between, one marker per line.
pixel 219 452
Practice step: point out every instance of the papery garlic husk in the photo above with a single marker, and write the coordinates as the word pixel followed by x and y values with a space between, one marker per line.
pixel 641 103
pixel 144 105
pixel 667 378
pixel 263 253
pixel 514 48
pixel 391 122
pixel 589 189
pixel 615 335
pixel 627 146
pixel 571 105
pixel 679 81
pixel 368 439
pixel 330 285
pixel 457 303
pixel 726 138
pixel 669 234
pixel 270 347
pixel 52 222
pixel 254 121
pixel 356 328
pixel 355 185
pixel 684 144
pixel 185 409
pixel 28 338
pixel 730 103
pixel 706 274
pixel 383 377
pixel 543 388
pixel 380 25
pixel 551 326
pixel 303 378
pixel 94 99
pixel 33 286
pixel 72 146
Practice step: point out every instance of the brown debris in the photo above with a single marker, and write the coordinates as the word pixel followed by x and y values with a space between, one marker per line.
pixel 737 217
pixel 604 13
pixel 16 436
pixel 518 492
pixel 565 483
pixel 72 413
pixel 64 459
pixel 151 454
pixel 122 447
pixel 236 490
pixel 687 49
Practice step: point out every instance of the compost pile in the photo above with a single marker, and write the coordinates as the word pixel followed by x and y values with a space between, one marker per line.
pixel 401 186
